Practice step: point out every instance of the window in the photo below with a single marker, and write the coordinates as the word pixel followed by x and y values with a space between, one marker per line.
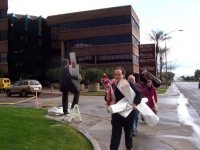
pixel 3 35
pixel 3 14
pixel 108 21
pixel 3 57
pixel 25 82
pixel 16 83
pixel 20 83
pixel 135 25
pixel 34 82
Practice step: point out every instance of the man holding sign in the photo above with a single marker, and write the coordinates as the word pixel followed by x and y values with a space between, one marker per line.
pixel 66 85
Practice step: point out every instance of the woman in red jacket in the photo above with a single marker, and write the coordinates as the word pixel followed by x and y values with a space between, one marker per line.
pixel 150 93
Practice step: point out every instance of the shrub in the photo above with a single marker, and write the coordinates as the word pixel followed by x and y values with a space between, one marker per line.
pixel 94 75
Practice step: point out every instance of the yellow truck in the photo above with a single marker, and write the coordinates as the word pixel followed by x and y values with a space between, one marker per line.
pixel 4 83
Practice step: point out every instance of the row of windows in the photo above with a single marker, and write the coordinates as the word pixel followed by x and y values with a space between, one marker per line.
pixel 109 21
pixel 104 40
pixel 3 14
pixel 3 57
pixel 115 58
pixel 3 35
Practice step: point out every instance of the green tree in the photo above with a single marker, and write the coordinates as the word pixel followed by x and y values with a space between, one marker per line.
pixel 110 72
pixel 94 75
pixel 1 73
pixel 197 74
pixel 52 74
pixel 82 73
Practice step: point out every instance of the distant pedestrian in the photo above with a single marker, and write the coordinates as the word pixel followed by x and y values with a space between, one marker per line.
pixel 136 114
pixel 118 122
pixel 66 86
pixel 151 94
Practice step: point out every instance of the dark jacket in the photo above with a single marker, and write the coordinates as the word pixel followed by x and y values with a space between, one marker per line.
pixel 138 96
pixel 65 79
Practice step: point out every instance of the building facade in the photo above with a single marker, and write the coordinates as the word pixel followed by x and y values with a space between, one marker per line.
pixel 103 38
pixel 3 36
pixel 27 46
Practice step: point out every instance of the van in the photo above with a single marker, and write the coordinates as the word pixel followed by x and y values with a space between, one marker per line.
pixel 4 83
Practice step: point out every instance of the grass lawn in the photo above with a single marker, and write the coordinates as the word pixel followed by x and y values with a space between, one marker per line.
pixel 27 128
pixel 102 92
pixel 161 90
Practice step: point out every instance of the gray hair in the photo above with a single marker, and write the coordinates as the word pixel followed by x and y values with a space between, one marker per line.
pixel 131 77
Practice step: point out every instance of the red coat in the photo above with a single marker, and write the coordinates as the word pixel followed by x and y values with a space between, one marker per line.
pixel 149 93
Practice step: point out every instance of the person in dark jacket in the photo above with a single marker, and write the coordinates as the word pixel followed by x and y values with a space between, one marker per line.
pixel 66 86
pixel 118 122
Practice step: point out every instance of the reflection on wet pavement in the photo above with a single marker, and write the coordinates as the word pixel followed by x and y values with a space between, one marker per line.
pixel 185 111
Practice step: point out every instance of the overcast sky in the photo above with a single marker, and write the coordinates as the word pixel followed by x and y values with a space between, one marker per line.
pixel 166 15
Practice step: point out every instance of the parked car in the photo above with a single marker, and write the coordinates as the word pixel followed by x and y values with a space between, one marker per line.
pixel 24 87
pixel 4 83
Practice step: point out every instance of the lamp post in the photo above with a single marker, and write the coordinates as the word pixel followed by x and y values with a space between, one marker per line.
pixel 166 54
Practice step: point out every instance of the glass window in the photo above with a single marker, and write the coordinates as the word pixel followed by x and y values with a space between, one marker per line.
pixel 98 22
pixel 3 14
pixel 62 26
pixel 94 22
pixel 3 35
pixel 3 57
pixel 16 83
pixel 81 24
pixel 20 83
pixel 69 25
pixel 127 19
pixel 25 82
pixel 72 25
pixel 85 24
pixel 34 82
pixel 76 25
pixel 107 21
pixel 89 23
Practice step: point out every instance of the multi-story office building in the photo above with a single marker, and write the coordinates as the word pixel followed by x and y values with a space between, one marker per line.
pixel 27 36
pixel 3 36
pixel 103 38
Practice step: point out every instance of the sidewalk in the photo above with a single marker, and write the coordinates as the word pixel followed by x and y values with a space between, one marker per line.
pixel 169 134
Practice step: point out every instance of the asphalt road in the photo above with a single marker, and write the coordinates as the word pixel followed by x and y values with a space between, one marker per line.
pixel 191 91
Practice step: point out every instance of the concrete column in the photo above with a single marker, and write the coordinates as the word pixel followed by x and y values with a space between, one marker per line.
pixel 62 49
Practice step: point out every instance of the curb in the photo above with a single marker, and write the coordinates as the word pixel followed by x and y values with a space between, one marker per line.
pixel 92 140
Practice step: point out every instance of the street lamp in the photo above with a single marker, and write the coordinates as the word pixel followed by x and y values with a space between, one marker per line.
pixel 166 54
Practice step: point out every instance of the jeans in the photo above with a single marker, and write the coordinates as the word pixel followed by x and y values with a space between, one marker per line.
pixel 135 122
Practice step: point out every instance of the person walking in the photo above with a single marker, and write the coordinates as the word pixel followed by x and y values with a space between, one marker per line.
pixel 131 78
pixel 66 86
pixel 151 94
pixel 118 122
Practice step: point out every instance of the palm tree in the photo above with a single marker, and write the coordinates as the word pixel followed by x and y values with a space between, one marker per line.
pixel 158 36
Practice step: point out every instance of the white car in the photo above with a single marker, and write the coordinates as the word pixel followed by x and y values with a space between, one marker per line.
pixel 24 87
